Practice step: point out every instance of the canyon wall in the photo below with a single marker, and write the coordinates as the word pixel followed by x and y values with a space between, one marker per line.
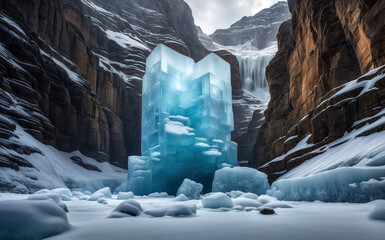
pixel 70 72
pixel 323 47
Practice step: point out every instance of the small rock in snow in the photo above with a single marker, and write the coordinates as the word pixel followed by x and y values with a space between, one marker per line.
pixel 267 211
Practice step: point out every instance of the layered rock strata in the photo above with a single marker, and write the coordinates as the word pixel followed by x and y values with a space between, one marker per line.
pixel 323 47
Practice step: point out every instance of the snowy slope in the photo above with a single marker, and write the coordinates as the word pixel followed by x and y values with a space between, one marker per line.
pixel 351 168
pixel 52 168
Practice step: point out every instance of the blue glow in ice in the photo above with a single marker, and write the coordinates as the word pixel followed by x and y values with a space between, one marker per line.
pixel 187 119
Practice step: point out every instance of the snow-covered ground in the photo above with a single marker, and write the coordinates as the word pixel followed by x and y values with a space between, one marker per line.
pixel 305 220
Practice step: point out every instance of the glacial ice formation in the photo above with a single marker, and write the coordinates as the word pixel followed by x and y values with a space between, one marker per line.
pixel 346 184
pixel 190 189
pixel 125 195
pixel 217 200
pixel 240 178
pixel 101 193
pixel 187 120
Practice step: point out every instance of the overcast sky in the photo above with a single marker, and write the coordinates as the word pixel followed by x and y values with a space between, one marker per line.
pixel 211 15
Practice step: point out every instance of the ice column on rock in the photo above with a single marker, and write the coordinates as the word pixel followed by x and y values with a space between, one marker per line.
pixel 187 119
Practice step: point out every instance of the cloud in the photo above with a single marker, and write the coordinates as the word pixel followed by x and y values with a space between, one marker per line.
pixel 211 15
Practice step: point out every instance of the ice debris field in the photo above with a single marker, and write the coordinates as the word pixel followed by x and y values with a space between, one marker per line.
pixel 62 214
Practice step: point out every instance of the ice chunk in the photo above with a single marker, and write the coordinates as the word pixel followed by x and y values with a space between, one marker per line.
pixel 126 209
pixel 64 191
pixel 79 195
pixel 159 195
pixel 264 199
pixel 49 196
pixel 95 196
pixel 378 212
pixel 246 202
pixel 190 189
pixel 178 210
pixel 45 196
pixel 125 195
pixel 350 184
pixel 101 193
pixel 250 195
pixel 139 174
pixel 181 210
pixel 187 121
pixel 24 219
pixel 181 198
pixel 217 200
pixel 42 191
pixel 278 205
pixel 238 208
pixel 65 197
pixel 102 200
pixel 235 194
pixel 240 178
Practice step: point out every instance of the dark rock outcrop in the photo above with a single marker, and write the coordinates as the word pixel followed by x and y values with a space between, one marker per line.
pixel 70 72
pixel 326 45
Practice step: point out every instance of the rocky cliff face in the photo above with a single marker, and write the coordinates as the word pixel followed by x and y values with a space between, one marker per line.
pixel 259 29
pixel 324 47
pixel 70 72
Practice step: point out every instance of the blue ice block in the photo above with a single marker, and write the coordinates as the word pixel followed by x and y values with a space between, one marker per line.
pixel 187 120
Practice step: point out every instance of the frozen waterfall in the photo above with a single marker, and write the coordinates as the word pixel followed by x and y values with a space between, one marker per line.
pixel 252 66
pixel 253 74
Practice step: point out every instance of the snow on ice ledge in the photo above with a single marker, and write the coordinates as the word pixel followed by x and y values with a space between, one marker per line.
pixel 354 184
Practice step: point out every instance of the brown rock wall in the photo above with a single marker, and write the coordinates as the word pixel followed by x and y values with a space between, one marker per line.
pixel 330 43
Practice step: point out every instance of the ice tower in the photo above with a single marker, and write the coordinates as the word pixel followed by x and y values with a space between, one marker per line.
pixel 187 120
